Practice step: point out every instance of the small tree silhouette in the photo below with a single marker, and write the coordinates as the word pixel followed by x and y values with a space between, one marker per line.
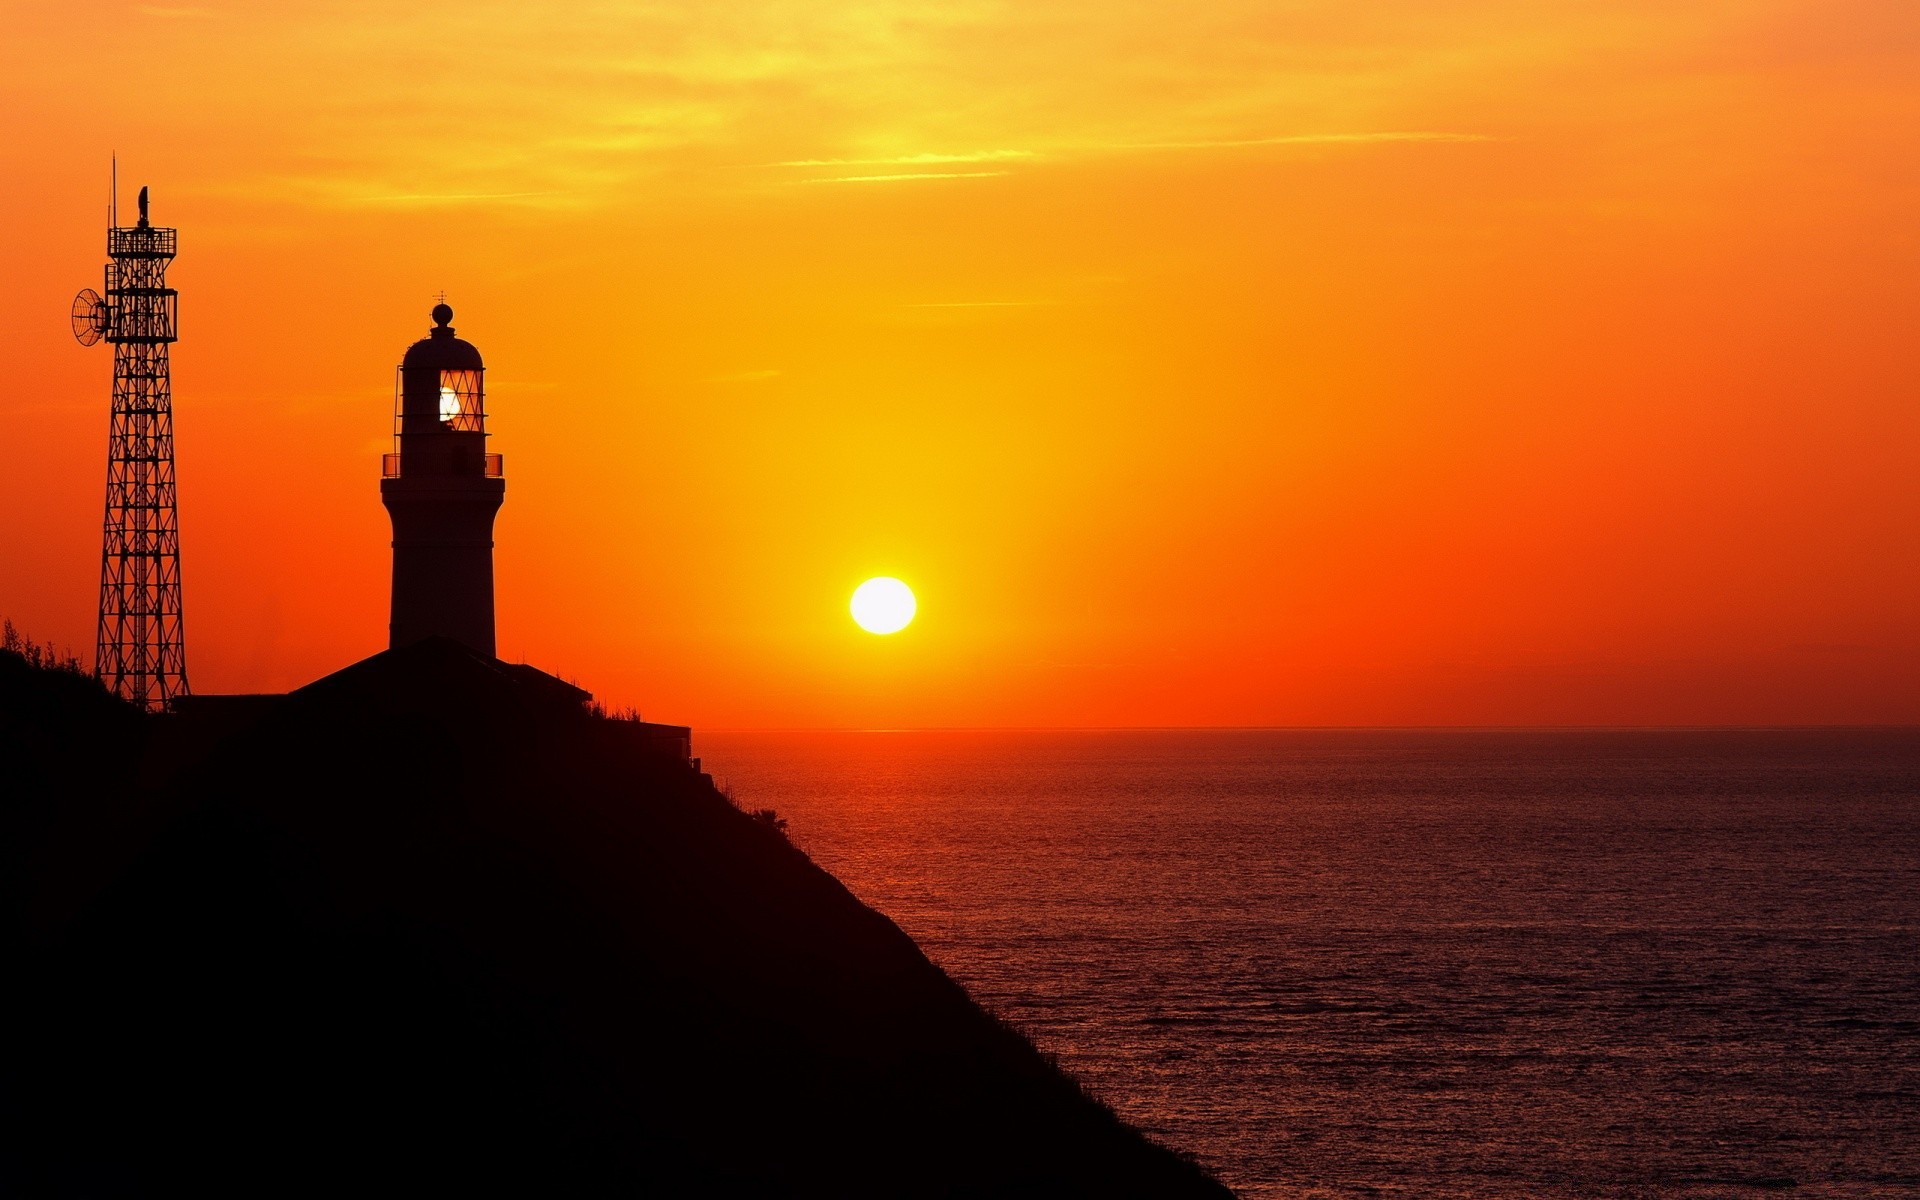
pixel 46 657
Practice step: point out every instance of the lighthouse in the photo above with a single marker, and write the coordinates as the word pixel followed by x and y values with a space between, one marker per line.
pixel 442 489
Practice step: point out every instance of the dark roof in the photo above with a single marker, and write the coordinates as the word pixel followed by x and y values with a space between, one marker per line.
pixel 440 350
pixel 432 674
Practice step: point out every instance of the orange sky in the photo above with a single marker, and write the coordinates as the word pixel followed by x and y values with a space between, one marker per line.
pixel 1218 363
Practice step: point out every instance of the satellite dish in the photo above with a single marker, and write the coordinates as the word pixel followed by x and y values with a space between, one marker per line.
pixel 89 317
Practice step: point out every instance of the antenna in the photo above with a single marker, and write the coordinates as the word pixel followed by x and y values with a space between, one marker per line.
pixel 140 651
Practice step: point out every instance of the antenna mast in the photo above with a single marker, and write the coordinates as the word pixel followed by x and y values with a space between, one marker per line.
pixel 140 652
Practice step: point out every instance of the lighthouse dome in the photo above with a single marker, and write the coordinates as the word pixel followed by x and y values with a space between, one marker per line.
pixel 440 350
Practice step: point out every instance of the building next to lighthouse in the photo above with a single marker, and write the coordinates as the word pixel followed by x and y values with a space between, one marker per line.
pixel 442 488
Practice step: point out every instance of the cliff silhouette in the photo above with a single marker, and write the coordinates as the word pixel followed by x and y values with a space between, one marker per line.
pixel 432 926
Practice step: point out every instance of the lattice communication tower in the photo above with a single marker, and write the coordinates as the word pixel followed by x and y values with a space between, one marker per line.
pixel 141 650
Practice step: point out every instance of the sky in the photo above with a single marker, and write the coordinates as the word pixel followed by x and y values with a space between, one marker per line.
pixel 1219 363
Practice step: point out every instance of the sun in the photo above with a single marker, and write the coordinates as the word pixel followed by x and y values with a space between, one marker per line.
pixel 882 605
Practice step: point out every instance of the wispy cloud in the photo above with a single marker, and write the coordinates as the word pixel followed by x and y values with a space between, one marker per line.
pixel 1310 139
pixel 455 197
pixel 1100 148
pixel 623 105
pixel 910 175
pixel 910 160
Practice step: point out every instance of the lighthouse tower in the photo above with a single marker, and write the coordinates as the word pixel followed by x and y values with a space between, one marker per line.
pixel 442 488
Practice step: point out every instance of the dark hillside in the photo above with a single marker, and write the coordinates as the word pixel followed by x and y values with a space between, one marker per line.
pixel 66 746
pixel 428 929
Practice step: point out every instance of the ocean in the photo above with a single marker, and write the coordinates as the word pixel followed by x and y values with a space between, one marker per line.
pixel 1420 964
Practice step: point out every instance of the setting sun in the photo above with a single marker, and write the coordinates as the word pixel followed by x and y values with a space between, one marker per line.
pixel 882 605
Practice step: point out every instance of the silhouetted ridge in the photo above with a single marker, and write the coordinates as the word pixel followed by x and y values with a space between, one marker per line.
pixel 430 926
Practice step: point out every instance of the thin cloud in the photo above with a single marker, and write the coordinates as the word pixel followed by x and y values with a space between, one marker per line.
pixel 1028 156
pixel 913 175
pixel 910 160
pixel 1311 139
pixel 455 197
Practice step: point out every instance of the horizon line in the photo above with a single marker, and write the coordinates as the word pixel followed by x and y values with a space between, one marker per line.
pixel 1885 726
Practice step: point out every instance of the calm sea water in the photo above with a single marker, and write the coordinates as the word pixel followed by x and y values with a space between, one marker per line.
pixel 1421 964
